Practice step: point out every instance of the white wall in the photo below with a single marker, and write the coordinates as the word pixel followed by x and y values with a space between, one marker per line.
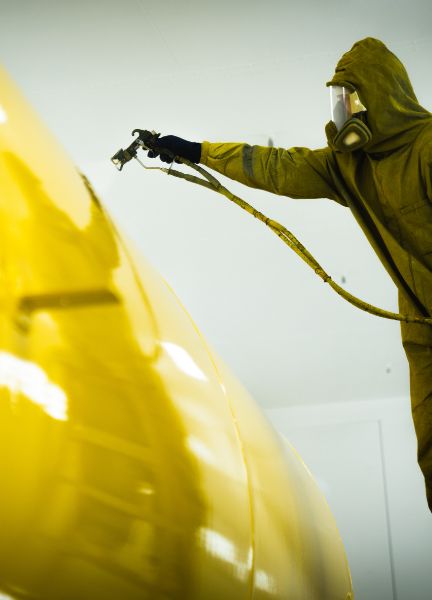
pixel 363 456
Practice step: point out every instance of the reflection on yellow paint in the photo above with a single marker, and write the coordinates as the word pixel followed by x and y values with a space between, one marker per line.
pixel 218 545
pixel 24 377
pixel 145 490
pixel 6 597
pixel 3 119
pixel 200 450
pixel 265 582
pixel 224 549
pixel 183 361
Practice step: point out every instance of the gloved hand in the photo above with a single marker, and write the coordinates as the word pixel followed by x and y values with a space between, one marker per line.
pixel 178 146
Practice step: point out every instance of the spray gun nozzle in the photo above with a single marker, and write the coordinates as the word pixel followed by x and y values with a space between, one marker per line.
pixel 146 139
pixel 123 156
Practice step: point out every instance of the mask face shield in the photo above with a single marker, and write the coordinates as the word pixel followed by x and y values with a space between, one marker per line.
pixel 344 104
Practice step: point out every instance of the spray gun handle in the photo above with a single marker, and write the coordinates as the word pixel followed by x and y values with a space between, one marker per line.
pixel 146 139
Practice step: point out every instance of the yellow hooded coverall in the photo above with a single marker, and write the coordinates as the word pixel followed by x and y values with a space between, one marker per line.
pixel 387 184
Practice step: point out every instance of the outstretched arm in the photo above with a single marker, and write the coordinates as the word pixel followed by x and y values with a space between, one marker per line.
pixel 297 172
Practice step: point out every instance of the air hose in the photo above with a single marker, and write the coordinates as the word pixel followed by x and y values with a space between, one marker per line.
pixel 210 182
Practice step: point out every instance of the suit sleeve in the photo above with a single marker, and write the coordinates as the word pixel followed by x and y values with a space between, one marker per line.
pixel 296 173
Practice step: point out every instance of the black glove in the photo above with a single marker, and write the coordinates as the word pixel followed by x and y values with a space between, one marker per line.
pixel 178 147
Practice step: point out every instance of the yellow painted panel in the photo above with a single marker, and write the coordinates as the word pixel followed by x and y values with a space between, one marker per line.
pixel 132 465
pixel 121 462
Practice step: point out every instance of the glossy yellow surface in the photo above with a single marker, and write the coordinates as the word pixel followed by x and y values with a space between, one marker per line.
pixel 132 464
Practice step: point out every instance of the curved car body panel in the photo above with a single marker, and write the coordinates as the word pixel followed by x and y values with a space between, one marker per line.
pixel 132 464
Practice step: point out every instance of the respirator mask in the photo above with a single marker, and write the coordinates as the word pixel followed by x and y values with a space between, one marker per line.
pixel 347 131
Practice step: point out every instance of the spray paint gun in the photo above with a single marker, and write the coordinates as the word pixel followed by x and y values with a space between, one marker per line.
pixel 146 140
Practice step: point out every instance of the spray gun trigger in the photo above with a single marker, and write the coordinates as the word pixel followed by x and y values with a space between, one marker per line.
pixel 146 139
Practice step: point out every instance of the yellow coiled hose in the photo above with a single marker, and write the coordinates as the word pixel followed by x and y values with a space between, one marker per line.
pixel 286 236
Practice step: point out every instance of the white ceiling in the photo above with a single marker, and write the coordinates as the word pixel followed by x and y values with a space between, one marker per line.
pixel 228 71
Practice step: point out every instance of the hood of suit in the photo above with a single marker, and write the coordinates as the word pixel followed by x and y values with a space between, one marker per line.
pixel 394 115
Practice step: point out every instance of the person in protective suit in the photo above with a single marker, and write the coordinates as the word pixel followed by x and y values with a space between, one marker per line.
pixel 378 163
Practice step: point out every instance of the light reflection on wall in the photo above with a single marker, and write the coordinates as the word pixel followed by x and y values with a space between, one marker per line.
pixel 6 597
pixel 3 119
pixel 183 361
pixel 27 378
